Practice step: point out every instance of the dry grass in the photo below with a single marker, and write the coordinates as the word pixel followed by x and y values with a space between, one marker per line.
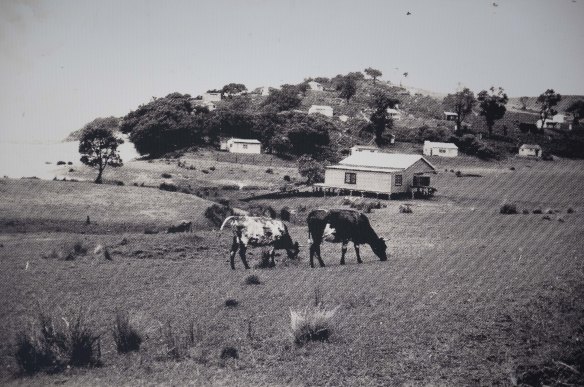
pixel 313 323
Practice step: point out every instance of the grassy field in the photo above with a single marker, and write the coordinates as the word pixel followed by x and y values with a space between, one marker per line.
pixel 468 297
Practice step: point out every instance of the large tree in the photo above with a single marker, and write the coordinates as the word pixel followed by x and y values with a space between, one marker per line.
pixel 373 73
pixel 166 124
pixel 98 145
pixel 380 118
pixel 577 110
pixel 347 87
pixel 548 100
pixel 492 105
pixel 233 89
pixel 461 103
pixel 311 169
pixel 287 98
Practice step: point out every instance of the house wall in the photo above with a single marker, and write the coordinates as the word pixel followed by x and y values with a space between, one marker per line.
pixel 528 152
pixel 408 175
pixel 237 147
pixel 366 180
pixel 435 151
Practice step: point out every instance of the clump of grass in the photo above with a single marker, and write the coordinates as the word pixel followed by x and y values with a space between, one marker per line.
pixel 252 280
pixel 126 336
pixel 168 187
pixel 525 211
pixel 212 168
pixel 178 344
pixel 52 346
pixel 166 175
pixel 570 210
pixel 287 178
pixel 229 353
pixel 405 208
pixel 231 303
pixel 313 323
pixel 508 208
pixel 205 171
pixel 270 171
pixel 150 231
pixel 538 211
pixel 549 211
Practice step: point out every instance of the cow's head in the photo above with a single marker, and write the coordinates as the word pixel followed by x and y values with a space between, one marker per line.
pixel 379 248
pixel 293 252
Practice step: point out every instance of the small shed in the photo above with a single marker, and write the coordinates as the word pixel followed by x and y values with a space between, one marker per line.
pixel 241 145
pixel 315 86
pixel 450 116
pixel 530 150
pixel 444 149
pixel 379 173
pixel 394 114
pixel 364 148
pixel 321 109
pixel 212 97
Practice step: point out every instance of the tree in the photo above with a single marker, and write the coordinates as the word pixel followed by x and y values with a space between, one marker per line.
pixel 577 110
pixel 233 89
pixel 492 105
pixel 98 145
pixel 380 119
pixel 166 124
pixel 285 99
pixel 311 169
pixel 347 87
pixel 548 100
pixel 523 101
pixel 461 103
pixel 373 73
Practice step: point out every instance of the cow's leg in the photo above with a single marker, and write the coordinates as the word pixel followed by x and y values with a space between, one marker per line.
pixel 272 256
pixel 315 250
pixel 318 256
pixel 357 253
pixel 312 250
pixel 242 250
pixel 344 251
pixel 234 247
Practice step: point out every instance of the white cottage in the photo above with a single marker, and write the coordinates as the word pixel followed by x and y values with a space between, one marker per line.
pixel 212 97
pixel 450 116
pixel 444 149
pixel 240 145
pixel 530 150
pixel 321 109
pixel 315 86
pixel 379 173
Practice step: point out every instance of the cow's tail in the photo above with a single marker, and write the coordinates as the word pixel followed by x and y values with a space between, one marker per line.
pixel 226 221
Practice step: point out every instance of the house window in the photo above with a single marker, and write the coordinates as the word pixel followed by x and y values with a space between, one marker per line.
pixel 244 146
pixel 442 150
pixel 398 180
pixel 350 178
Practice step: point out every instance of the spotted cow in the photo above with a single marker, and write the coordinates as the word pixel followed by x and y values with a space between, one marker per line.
pixel 259 231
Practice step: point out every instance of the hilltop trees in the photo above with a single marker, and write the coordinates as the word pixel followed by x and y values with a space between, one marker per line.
pixel 492 105
pixel 98 145
pixel 380 119
pixel 348 87
pixel 577 110
pixel 461 103
pixel 166 124
pixel 548 100
pixel 373 73
pixel 311 169
pixel 233 89
pixel 285 99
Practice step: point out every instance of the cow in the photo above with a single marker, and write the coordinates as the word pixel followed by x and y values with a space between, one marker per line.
pixel 342 226
pixel 183 226
pixel 259 231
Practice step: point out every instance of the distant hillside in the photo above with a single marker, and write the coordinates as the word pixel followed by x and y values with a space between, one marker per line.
pixel 531 104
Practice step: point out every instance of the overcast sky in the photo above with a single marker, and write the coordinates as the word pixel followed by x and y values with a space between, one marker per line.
pixel 65 62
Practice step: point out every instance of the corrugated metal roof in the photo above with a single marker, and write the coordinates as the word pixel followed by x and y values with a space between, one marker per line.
pixel 383 160
pixel 365 169
pixel 244 140
pixel 447 145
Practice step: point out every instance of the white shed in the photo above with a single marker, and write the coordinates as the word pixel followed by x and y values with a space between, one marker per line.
pixel 450 116
pixel 379 173
pixel 444 149
pixel 240 145
pixel 315 86
pixel 394 114
pixel 321 109
pixel 530 150
pixel 364 148
pixel 212 97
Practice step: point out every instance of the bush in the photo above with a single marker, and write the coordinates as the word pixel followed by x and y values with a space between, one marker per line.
pixel 285 214
pixel 150 231
pixel 178 344
pixel 538 211
pixel 71 170
pixel 262 210
pixel 286 178
pixel 313 323
pixel 229 353
pixel 525 211
pixel 230 187
pixel 270 171
pixel 231 303
pixel 217 213
pixel 168 187
pixel 570 210
pixel 166 175
pixel 52 346
pixel 212 168
pixel 205 171
pixel 126 337
pixel 252 280
pixel 508 208
pixel 405 208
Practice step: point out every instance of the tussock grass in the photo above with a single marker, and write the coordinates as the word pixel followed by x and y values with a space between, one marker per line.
pixel 229 353
pixel 508 208
pixel 126 336
pixel 405 209
pixel 51 345
pixel 266 261
pixel 231 303
pixel 252 280
pixel 179 342
pixel 313 323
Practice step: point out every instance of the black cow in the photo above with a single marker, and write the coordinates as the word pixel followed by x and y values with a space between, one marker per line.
pixel 342 226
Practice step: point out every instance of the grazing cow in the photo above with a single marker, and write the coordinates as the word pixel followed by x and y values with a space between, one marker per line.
pixel 342 226
pixel 259 231
pixel 183 226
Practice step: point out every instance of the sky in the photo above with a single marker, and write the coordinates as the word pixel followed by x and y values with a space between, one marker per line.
pixel 64 63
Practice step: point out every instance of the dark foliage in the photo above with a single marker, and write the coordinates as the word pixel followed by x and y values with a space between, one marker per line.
pixel 508 208
pixel 126 337
pixel 231 303
pixel 217 213
pixel 285 214
pixel 229 353
pixel 252 280
pixel 168 187
pixel 98 145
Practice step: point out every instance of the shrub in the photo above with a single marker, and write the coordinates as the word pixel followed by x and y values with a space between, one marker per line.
pixel 166 175
pixel 51 347
pixel 286 178
pixel 538 211
pixel 126 337
pixel 525 211
pixel 458 174
pixel 252 280
pixel 231 303
pixel 405 208
pixel 270 171
pixel 205 171
pixel 313 323
pixel 508 208
pixel 229 353
pixel 119 182
pixel 217 213
pixel 285 214
pixel 150 231
pixel 262 210
pixel 212 168
pixel 549 211
pixel 230 187
pixel 70 163
pixel 570 210
pixel 168 187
